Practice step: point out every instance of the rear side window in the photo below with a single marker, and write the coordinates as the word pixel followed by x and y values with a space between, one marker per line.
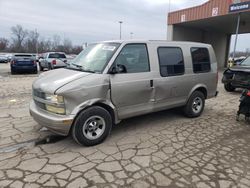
pixel 57 55
pixel 171 61
pixel 23 55
pixel 201 60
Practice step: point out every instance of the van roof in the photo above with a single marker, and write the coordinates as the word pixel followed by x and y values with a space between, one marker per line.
pixel 159 42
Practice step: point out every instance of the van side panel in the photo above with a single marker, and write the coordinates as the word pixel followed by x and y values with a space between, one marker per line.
pixel 207 80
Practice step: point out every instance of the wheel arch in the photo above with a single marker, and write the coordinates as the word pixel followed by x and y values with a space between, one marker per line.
pixel 201 87
pixel 107 105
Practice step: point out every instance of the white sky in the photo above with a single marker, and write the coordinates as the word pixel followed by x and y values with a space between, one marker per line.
pixel 93 20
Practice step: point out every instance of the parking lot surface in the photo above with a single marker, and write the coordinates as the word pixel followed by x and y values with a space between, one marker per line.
pixel 163 149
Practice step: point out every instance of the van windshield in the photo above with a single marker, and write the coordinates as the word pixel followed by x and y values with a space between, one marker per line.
pixel 95 57
pixel 246 62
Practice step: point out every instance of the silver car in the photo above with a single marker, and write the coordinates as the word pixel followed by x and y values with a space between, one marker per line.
pixel 115 80
pixel 52 60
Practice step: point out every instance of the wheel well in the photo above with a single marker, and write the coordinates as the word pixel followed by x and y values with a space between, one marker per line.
pixel 106 107
pixel 203 90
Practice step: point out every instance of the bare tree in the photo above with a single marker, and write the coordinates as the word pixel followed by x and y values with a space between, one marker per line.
pixel 76 50
pixel 56 41
pixel 67 45
pixel 19 34
pixel 3 44
pixel 31 43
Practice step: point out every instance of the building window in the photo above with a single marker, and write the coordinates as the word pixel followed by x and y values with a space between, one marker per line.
pixel 171 61
pixel 201 60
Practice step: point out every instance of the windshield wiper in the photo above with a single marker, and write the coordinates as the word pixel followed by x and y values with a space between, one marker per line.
pixel 64 61
pixel 82 69
pixel 78 66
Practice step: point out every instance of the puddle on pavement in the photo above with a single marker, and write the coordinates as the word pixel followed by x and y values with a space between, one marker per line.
pixel 50 140
pixel 29 144
pixel 17 147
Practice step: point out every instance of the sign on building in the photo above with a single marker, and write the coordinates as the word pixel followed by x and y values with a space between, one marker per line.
pixel 236 1
pixel 183 18
pixel 239 7
pixel 215 11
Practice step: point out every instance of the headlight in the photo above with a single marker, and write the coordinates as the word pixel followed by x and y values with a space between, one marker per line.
pixel 54 98
pixel 57 104
pixel 54 109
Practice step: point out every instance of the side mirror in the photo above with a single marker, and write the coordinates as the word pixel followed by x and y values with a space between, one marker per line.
pixel 118 69
pixel 113 70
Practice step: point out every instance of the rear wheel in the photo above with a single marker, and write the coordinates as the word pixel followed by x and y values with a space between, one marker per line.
pixel 40 67
pixel 49 66
pixel 92 126
pixel 195 104
pixel 229 88
pixel 12 72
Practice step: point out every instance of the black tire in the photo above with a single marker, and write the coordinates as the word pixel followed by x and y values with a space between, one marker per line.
pixel 197 99
pixel 50 67
pixel 12 72
pixel 84 119
pixel 40 67
pixel 229 88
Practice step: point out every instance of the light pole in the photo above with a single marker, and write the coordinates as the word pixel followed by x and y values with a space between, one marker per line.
pixel 236 37
pixel 36 42
pixel 120 22
pixel 169 9
pixel 169 6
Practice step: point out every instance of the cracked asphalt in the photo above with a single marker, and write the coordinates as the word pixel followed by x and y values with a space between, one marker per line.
pixel 163 149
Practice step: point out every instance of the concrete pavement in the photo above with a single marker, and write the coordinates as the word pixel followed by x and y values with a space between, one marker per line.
pixel 162 149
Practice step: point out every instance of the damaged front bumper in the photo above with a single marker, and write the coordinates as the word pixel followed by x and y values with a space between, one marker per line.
pixel 60 124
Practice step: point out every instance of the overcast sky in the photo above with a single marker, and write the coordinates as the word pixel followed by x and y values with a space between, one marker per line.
pixel 93 20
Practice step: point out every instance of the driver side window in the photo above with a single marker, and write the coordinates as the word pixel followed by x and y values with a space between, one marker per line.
pixel 133 58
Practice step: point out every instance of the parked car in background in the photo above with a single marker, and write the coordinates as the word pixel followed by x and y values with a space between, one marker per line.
pixel 3 58
pixel 23 63
pixel 237 76
pixel 9 57
pixel 70 57
pixel 52 60
pixel 112 81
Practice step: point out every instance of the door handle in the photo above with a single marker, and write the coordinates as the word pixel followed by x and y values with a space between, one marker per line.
pixel 152 83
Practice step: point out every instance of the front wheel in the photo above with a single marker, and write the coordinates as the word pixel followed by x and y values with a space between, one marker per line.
pixel 50 67
pixel 92 126
pixel 228 87
pixel 195 105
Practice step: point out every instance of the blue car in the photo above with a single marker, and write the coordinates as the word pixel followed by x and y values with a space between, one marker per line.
pixel 21 63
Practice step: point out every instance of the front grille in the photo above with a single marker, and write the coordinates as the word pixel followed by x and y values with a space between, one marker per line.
pixel 40 105
pixel 38 94
pixel 41 95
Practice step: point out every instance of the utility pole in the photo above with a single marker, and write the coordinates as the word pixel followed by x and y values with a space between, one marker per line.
pixel 36 41
pixel 236 37
pixel 120 22
pixel 169 8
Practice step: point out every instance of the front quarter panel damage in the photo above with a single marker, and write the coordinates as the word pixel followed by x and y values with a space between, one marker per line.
pixel 85 92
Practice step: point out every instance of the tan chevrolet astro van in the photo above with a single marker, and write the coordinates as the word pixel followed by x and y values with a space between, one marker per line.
pixel 114 80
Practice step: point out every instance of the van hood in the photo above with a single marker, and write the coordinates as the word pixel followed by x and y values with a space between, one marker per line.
pixel 240 68
pixel 50 81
